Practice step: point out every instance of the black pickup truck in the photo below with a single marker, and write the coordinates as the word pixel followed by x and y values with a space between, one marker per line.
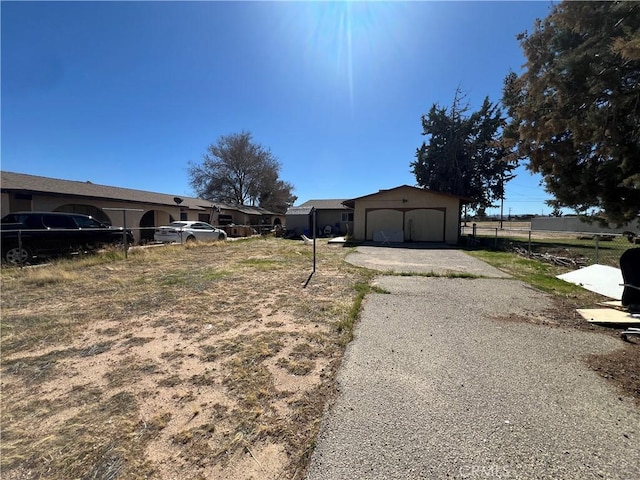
pixel 26 235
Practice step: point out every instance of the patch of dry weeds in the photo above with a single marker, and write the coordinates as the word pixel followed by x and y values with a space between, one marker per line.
pixel 184 362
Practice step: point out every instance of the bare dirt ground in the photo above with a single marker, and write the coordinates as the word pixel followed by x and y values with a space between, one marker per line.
pixel 204 361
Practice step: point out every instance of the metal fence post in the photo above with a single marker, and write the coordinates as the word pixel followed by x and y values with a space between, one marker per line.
pixel 495 246
pixel 597 239
pixel 20 248
pixel 529 245
pixel 313 212
pixel 125 240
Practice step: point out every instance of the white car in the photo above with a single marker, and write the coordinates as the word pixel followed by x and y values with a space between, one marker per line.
pixel 187 231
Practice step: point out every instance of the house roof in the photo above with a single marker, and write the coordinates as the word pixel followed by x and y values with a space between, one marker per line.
pixel 331 204
pixel 10 181
pixel 299 210
pixel 351 203
pixel 35 184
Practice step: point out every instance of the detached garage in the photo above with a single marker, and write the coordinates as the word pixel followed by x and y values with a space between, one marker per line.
pixel 406 214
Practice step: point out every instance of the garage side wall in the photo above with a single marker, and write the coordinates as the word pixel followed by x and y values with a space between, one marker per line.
pixel 298 224
pixel 441 212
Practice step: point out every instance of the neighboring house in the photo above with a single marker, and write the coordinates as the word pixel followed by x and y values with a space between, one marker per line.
pixel 407 214
pixel 333 218
pixel 144 210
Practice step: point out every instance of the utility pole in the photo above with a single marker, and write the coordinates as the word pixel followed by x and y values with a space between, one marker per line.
pixel 501 200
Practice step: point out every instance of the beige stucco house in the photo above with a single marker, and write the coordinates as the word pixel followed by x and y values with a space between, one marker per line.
pixel 406 214
pixel 144 210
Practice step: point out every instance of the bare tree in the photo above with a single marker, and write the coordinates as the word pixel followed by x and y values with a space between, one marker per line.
pixel 239 171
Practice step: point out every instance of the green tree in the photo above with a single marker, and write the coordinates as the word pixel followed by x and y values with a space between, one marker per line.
pixel 239 171
pixel 575 109
pixel 275 194
pixel 464 154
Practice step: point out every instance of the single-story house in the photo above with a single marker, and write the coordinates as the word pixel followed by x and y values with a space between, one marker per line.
pixel 407 214
pixel 333 218
pixel 143 210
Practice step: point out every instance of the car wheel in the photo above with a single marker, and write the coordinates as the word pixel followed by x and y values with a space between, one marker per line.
pixel 16 256
pixel 222 236
pixel 190 239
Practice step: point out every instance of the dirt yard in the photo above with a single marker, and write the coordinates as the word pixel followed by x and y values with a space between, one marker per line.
pixel 205 361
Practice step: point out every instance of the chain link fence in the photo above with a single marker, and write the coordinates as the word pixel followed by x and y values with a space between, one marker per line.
pixel 570 249
pixel 22 247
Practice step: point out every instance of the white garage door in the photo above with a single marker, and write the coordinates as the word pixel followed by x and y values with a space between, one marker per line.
pixel 424 225
pixel 387 221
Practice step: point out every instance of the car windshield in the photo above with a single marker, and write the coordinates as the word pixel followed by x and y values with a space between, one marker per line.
pixel 13 218
pixel 177 224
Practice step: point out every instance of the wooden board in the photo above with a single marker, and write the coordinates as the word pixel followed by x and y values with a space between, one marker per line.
pixel 608 316
pixel 617 304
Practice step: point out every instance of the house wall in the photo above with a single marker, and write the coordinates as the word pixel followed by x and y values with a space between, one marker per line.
pixel 333 218
pixel 408 210
pixel 4 204
pixel 50 203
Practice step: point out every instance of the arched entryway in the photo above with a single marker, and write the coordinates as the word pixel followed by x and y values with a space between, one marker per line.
pixel 90 210
pixel 150 220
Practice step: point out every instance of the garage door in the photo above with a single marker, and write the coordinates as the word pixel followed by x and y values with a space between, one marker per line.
pixel 424 225
pixel 387 221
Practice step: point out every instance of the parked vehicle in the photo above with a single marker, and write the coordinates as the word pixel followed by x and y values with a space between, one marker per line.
pixel 33 234
pixel 188 231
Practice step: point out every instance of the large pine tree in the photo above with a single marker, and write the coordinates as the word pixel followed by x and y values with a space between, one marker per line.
pixel 576 108
pixel 464 154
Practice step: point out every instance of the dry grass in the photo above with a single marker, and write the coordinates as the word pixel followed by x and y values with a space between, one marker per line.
pixel 183 362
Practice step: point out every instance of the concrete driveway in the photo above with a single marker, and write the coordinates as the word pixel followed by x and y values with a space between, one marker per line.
pixel 442 381
pixel 421 258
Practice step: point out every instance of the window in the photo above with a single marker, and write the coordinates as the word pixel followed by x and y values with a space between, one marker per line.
pixel 347 216
pixel 183 216
pixel 225 219
pixel 58 221
pixel 14 218
pixel 87 222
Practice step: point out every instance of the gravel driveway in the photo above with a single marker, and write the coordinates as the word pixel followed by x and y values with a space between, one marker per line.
pixel 434 386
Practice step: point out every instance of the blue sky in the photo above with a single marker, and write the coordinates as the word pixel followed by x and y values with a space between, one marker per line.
pixel 128 93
